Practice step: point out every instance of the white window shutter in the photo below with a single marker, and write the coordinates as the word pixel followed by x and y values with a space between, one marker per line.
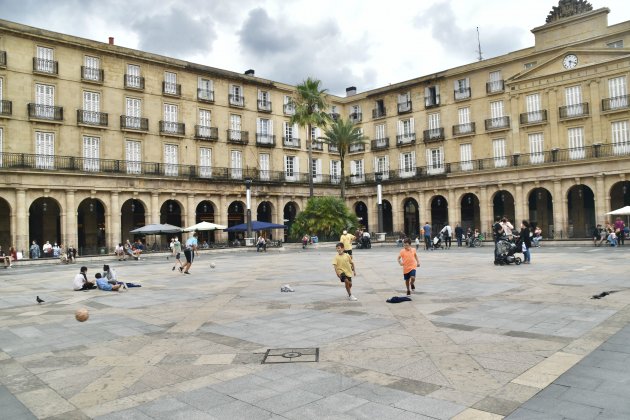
pixel 412 129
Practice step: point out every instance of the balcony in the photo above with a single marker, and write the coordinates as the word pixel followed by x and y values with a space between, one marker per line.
pixel 172 128
pixel 236 100
pixel 356 117
pixel 573 111
pixel 496 86
pixel 91 74
pixel 332 148
pixel 45 112
pixel 356 148
pixel 405 139
pixel 465 129
pixel 265 140
pixel 206 133
pixel 45 66
pixel 99 119
pixel 496 124
pixel 404 107
pixel 380 144
pixel 534 117
pixel 288 109
pixel 291 143
pixel 334 115
pixel 264 106
pixel 318 146
pixel 238 136
pixel 432 101
pixel 462 94
pixel 205 95
pixel 432 135
pixel 134 123
pixel 3 59
pixel 379 113
pixel 171 89
pixel 618 103
pixel 134 82
pixel 6 108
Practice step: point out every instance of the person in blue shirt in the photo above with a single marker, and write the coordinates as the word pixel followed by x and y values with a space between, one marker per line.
pixel 189 252
pixel 427 236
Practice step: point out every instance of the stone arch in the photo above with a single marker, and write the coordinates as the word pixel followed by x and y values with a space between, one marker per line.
pixel 264 211
pixel 361 211
pixel 171 212
pixel 132 216
pixel 439 213
pixel 44 221
pixel 388 217
pixel 205 212
pixel 411 217
pixel 289 213
pixel 91 227
pixel 619 195
pixel 581 211
pixel 5 225
pixel 236 216
pixel 540 205
pixel 470 215
pixel 503 205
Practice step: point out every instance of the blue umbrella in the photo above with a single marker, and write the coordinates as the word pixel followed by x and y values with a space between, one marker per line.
pixel 256 225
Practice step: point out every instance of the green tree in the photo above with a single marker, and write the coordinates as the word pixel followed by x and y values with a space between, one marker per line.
pixel 324 216
pixel 342 134
pixel 310 111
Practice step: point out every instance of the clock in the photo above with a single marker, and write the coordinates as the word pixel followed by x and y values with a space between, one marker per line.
pixel 570 61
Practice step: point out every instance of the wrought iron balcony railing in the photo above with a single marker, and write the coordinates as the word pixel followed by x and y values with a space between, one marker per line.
pixel 236 100
pixel 45 112
pixel 534 117
pixel 356 148
pixel 41 65
pixel 91 74
pixel 134 82
pixel 291 142
pixel 134 123
pixel 206 133
pixel 3 58
pixel 433 135
pixel 238 136
pixel 332 148
pixel 6 107
pixel 618 103
pixel 496 86
pixel 288 109
pixel 432 101
pixel 92 118
pixel 172 128
pixel 356 117
pixel 380 144
pixel 404 107
pixel 173 89
pixel 464 129
pixel 405 139
pixel 379 113
pixel 317 146
pixel 499 123
pixel 573 111
pixel 205 95
pixel 265 140
pixel 264 106
pixel 462 94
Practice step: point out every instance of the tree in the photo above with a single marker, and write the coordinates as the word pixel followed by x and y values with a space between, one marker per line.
pixel 342 134
pixel 310 111
pixel 324 216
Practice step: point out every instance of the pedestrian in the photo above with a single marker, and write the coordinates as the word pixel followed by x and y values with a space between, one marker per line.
pixel 597 235
pixel 35 251
pixel 620 231
pixel 526 242
pixel 427 236
pixel 497 232
pixel 417 242
pixel 305 239
pixel 346 239
pixel 120 252
pixel 344 268
pixel 459 234
pixel 447 233
pixel 47 248
pixel 176 249
pixel 81 281
pixel 408 259
pixel 189 253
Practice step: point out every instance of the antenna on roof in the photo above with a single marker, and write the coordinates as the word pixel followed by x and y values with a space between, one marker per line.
pixel 479 45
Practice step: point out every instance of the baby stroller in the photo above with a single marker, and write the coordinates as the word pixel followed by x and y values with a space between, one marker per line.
pixel 364 242
pixel 505 250
pixel 437 241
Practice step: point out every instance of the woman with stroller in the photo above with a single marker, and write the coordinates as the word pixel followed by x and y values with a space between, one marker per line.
pixel 526 241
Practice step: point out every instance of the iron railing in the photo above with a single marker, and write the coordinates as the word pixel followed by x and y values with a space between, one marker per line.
pixel 461 94
pixel 6 107
pixel 573 111
pixel 238 136
pixel 205 95
pixel 534 117
pixel 134 123
pixel 499 123
pixel 333 148
pixel 236 100
pixel 432 101
pixel 172 128
pixel 405 139
pixel 288 109
pixel 291 142
pixel 496 86
pixel 616 103
pixel 92 118
pixel 134 82
pixel 264 106
pixel 356 117
pixel 356 148
pixel 464 129
pixel 433 135
pixel 92 74
pixel 203 132
pixel 404 107
pixel 45 112
pixel 41 65
pixel 334 115
pixel 317 146
pixel 173 89
pixel 265 140
pixel 380 144
pixel 379 113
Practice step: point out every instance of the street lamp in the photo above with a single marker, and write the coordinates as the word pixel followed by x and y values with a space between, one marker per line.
pixel 248 185
pixel 379 199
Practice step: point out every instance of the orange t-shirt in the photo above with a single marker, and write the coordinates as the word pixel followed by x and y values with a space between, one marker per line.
pixel 408 257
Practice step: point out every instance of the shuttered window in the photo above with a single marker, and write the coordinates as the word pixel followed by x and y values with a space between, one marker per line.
pixel 407 164
pixel 465 156
pixel 205 162
pixel 536 148
pixel 133 156
pixel 618 92
pixel 335 171
pixel 236 164
pixel 91 153
pixel 170 160
pixel 620 140
pixel 435 161
pixel 576 143
pixel 264 166
pixel 44 150
pixel 498 149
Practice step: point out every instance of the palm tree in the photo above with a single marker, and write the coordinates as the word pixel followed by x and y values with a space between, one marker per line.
pixel 310 111
pixel 342 134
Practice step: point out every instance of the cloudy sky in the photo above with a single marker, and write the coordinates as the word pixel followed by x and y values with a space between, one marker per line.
pixel 362 43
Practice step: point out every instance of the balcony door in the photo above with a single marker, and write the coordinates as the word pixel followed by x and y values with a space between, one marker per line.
pixel 533 108
pixel 44 150
pixel 133 112
pixel 91 153
pixel 573 98
pixel 45 101
pixel 618 92
pixel 91 107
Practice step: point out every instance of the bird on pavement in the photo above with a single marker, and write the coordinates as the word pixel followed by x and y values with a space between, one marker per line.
pixel 39 300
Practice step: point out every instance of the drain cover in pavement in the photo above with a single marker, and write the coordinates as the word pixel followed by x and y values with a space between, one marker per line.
pixel 291 355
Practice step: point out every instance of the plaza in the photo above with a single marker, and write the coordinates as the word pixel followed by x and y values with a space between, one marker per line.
pixel 477 341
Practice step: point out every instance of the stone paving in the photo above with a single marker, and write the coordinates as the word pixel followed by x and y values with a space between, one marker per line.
pixel 476 342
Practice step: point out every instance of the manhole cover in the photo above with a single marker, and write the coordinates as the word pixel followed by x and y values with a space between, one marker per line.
pixel 291 355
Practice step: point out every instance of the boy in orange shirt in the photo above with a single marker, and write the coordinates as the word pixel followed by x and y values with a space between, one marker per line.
pixel 409 261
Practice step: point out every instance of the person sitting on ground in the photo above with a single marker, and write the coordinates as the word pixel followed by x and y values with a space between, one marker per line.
pixel 103 284
pixel 5 258
pixel 537 236
pixel 120 252
pixel 72 254
pixel 81 281
pixel 261 244
pixel 13 253
pixel 204 245
pixel 137 249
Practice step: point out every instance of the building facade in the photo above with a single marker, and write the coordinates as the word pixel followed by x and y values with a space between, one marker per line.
pixel 97 139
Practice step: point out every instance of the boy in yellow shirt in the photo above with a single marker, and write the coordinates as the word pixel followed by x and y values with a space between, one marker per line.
pixel 408 258
pixel 344 268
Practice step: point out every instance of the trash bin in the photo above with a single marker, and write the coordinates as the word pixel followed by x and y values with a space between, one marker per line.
pixel 314 239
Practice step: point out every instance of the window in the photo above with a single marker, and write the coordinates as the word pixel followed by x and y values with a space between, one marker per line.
pixel 465 156
pixel 536 154
pixel 335 171
pixel 91 153
pixel 533 108
pixel 170 160
pixel 407 164
pixel 291 137
pixel 573 97
pixel 379 109
pixel 615 44
pixel 236 164
pixel 406 132
pixel 1 136
pixel 291 168
pixel 132 78
pixel 576 143
pixel 463 116
pixel 170 118
pixel 379 135
pixel 133 112
pixel 205 89
pixel 44 101
pixel 357 171
pixel 435 161
pixel 434 126
pixel 498 149
pixel 316 170
pixel 235 127
pixel 170 83
pixel 45 60
pixel 288 107
pixel 263 164
pixel 356 115
pixel 431 96
pixel 132 155
pixel 462 89
pixel 264 100
pixel 618 92
pixel 404 102
pixel 381 164
pixel 205 122
pixel 264 130
pixel 236 96
pixel 496 115
pixel 44 150
pixel 91 107
pixel 529 65
pixel 495 83
pixel 620 140
pixel 205 162
pixel 92 68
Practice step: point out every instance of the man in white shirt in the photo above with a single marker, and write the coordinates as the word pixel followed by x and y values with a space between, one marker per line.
pixel 447 232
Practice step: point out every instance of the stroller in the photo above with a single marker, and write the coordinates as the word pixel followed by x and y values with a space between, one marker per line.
pixel 437 241
pixel 505 250
pixel 364 242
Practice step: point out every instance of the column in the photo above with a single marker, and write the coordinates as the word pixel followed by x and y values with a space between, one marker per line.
pixel 113 227
pixel 453 208
pixel 519 206
pixel 485 214
pixel 70 230
pixel 191 211
pixel 398 223
pixel 552 114
pixel 559 210
pixel 423 213
pixel 515 125
pixel 220 217
pixel 600 200
pixel 595 110
pixel 21 223
pixel 372 214
pixel 155 208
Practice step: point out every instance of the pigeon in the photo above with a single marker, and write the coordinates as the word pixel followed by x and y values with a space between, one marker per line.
pixel 602 294
pixel 39 300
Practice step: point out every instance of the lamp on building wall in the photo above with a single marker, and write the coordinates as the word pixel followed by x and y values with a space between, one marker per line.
pixel 205 207
pixel 133 206
pixel 248 186
pixel 379 199
pixel 45 206
pixel 439 202
pixel 469 199
pixel 91 207
pixel 170 206
pixel 580 192
pixel 502 197
pixel 539 195
pixel 624 189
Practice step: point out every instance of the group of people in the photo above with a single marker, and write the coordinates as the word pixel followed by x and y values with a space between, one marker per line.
pixel 615 234
pixel 107 280
pixel 192 244
pixel 504 230
pixel 129 250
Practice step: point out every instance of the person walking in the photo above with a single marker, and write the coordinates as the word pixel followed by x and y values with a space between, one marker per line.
pixel 346 239
pixel 408 259
pixel 344 268
pixel 447 232
pixel 189 253
pixel 177 253
pixel 526 242
pixel 427 236
pixel 459 234
pixel 620 231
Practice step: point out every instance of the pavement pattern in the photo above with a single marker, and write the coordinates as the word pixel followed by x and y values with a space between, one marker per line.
pixel 477 341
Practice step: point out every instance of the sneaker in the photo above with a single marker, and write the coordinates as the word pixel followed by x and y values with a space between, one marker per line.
pixel 408 293
pixel 181 269
pixel 173 268
pixel 413 287
pixel 186 272
pixel 352 298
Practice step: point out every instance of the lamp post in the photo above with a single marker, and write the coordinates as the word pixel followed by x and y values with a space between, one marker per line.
pixel 379 199
pixel 248 185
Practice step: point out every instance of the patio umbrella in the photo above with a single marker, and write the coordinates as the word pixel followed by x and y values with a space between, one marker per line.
pixel 256 225
pixel 204 226
pixel 624 211
pixel 156 229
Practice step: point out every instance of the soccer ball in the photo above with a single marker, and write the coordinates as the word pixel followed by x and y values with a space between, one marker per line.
pixel 82 315
pixel 212 265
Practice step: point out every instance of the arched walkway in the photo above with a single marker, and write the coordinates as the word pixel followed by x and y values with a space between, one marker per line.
pixel 205 213
pixel 91 229
pixel 171 213
pixel 236 216
pixel 439 213
pixel 5 225
pixel 411 218
pixel 503 206
pixel 619 195
pixel 289 214
pixel 361 211
pixel 44 221
pixel 388 217
pixel 469 216
pixel 540 205
pixel 581 211
pixel 132 217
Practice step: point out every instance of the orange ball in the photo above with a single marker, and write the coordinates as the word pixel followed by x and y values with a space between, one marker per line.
pixel 82 315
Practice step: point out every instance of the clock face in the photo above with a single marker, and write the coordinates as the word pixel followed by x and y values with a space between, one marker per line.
pixel 570 61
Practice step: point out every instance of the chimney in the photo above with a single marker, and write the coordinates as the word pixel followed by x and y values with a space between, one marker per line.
pixel 111 40
pixel 249 72
pixel 351 91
